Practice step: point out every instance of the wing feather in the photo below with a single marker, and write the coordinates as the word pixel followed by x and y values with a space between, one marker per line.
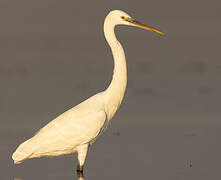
pixel 77 126
pixel 68 134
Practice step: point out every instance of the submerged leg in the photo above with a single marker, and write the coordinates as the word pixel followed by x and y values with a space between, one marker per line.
pixel 82 153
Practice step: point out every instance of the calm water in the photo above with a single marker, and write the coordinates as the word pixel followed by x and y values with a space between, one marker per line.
pixel 154 151
pixel 53 56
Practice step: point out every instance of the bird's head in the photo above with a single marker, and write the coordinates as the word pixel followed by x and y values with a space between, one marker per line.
pixel 120 17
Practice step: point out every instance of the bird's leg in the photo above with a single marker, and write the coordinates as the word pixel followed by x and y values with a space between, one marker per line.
pixel 82 153
pixel 80 175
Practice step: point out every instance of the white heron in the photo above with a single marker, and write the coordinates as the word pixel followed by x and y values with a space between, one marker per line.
pixel 74 130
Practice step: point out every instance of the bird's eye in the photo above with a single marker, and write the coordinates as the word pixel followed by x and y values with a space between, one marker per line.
pixel 122 17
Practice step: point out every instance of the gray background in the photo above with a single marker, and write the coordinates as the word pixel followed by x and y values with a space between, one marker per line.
pixel 53 55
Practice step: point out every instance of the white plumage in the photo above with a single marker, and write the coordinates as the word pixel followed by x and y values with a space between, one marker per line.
pixel 78 127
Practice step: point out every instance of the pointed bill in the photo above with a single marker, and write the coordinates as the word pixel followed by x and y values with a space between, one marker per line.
pixel 141 25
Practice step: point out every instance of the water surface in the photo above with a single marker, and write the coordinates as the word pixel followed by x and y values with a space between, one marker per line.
pixel 53 56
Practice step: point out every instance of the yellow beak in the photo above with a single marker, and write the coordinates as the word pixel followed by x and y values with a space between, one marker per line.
pixel 141 25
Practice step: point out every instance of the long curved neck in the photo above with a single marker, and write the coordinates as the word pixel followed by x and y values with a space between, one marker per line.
pixel 116 89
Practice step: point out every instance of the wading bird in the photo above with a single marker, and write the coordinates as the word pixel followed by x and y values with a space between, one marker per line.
pixel 74 130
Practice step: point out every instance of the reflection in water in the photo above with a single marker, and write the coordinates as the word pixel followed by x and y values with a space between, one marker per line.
pixel 79 174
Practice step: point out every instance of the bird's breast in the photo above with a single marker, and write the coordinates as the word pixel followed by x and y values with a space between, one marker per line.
pixel 112 109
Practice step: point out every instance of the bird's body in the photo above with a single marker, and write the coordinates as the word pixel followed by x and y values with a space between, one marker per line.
pixel 78 127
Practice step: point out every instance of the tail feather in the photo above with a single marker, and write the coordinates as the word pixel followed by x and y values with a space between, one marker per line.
pixel 22 153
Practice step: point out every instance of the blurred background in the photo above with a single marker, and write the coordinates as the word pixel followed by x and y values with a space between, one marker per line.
pixel 53 55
